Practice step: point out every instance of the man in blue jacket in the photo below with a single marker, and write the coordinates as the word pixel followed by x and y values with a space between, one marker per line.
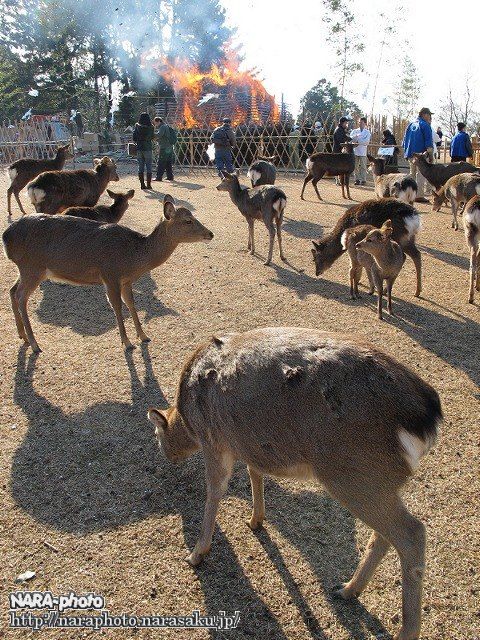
pixel 418 139
pixel 461 145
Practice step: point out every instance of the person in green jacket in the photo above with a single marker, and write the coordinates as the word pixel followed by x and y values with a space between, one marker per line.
pixel 167 137
pixel 143 135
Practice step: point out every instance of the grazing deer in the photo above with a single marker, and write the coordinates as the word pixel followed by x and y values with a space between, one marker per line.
pixel 84 252
pixel 458 190
pixel 330 164
pixel 471 222
pixel 54 191
pixel 265 203
pixel 387 261
pixel 395 185
pixel 307 404
pixel 26 169
pixel 358 259
pixel 102 213
pixel 406 224
pixel 262 171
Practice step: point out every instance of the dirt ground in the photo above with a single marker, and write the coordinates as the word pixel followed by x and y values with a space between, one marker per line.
pixel 82 473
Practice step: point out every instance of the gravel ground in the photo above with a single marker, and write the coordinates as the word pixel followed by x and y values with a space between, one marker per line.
pixel 81 471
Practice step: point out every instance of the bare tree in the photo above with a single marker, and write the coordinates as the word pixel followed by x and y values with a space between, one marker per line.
pixel 455 109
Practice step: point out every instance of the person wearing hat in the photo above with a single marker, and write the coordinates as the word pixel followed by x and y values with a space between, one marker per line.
pixel 223 139
pixel 340 135
pixel 461 145
pixel 418 139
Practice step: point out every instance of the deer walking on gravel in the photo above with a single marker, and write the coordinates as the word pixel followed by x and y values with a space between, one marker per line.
pixel 330 164
pixel 265 203
pixel 458 190
pixel 307 404
pixel 83 252
pixel 26 169
pixel 472 237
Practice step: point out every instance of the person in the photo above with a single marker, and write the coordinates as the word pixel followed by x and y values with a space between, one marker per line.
pixel 340 135
pixel 389 140
pixel 223 138
pixel 418 139
pixel 167 137
pixel 461 145
pixel 79 124
pixel 294 144
pixel 439 141
pixel 143 134
pixel 361 137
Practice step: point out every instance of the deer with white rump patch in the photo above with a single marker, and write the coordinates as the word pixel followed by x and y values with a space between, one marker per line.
pixel 395 185
pixel 471 222
pixel 83 252
pixel 265 203
pixel 26 169
pixel 458 190
pixel 262 171
pixel 307 404
pixel 54 191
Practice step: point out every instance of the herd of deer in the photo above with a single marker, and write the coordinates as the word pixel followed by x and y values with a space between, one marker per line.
pixel 285 401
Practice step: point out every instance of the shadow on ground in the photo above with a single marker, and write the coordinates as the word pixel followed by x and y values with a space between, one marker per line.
pixel 86 309
pixel 449 258
pixel 102 469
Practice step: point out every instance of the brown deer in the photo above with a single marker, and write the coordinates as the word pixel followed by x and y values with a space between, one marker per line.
pixel 307 404
pixel 471 222
pixel 54 191
pixel 458 190
pixel 405 221
pixel 438 174
pixel 265 203
pixel 102 213
pixel 330 164
pixel 262 171
pixel 394 185
pixel 84 252
pixel 358 259
pixel 387 261
pixel 26 169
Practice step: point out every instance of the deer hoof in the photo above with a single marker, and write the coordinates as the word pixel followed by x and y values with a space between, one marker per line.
pixel 283 259
pixel 344 593
pixel 267 263
pixel 255 524
pixel 129 346
pixel 195 558
pixel 36 348
pixel 144 338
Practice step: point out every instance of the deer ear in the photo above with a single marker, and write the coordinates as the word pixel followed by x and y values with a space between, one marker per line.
pixel 168 209
pixel 157 418
pixel 130 193
pixel 112 194
pixel 96 162
pixel 316 245
pixel 387 228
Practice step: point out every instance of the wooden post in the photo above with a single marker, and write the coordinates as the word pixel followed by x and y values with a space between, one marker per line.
pixel 191 149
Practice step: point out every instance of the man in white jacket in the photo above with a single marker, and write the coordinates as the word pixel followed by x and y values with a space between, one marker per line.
pixel 361 138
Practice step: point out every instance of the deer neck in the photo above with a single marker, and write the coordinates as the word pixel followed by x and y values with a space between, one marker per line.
pixel 103 176
pixel 160 245
pixel 237 195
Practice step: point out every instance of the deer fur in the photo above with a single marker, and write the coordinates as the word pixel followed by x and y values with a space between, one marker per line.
pixel 26 169
pixel 387 261
pixel 54 191
pixel 83 252
pixel 102 213
pixel 330 164
pixel 302 403
pixel 458 190
pixel 405 221
pixel 358 259
pixel 265 203
pixel 438 174
pixel 471 223
pixel 262 171
pixel 395 185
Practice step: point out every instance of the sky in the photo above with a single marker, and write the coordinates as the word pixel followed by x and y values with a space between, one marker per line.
pixel 286 41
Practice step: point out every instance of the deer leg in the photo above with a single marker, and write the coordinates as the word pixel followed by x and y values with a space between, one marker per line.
pixel 370 280
pixel 342 183
pixel 412 251
pixel 279 221
pixel 127 297
pixel 16 312
pixel 454 214
pixel 357 278
pixel 26 285
pixel 314 183
pixel 19 202
pixel 218 470
pixel 478 267
pixel 378 280
pixel 347 186
pixel 473 273
pixel 376 549
pixel 271 232
pixel 115 299
pixel 308 177
pixel 251 241
pixel 258 513
pixel 9 201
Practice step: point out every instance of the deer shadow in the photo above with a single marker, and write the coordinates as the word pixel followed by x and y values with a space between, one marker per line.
pixel 449 258
pixel 86 310
pixel 156 195
pixel 302 228
pixel 102 469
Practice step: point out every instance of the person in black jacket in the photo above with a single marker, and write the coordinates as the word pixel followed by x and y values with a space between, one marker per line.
pixel 143 135
pixel 340 135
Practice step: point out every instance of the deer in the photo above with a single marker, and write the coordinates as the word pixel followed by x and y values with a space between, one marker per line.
pixel 458 190
pixel 387 261
pixel 394 185
pixel 26 169
pixel 330 164
pixel 84 252
pixel 262 171
pixel 358 259
pixel 438 174
pixel 54 191
pixel 265 203
pixel 406 224
pixel 471 222
pixel 101 212
pixel 294 403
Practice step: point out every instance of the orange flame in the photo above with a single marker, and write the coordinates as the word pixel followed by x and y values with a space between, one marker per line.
pixel 243 97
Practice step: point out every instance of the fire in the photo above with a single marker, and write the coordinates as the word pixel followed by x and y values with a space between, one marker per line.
pixel 223 90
